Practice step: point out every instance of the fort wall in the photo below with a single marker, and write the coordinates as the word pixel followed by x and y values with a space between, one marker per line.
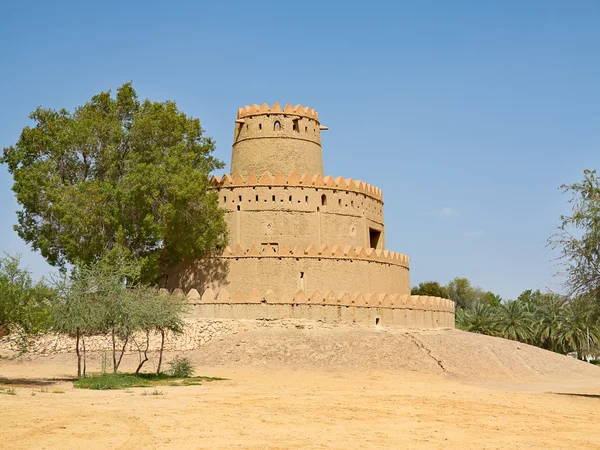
pixel 404 311
pixel 286 270
pixel 301 210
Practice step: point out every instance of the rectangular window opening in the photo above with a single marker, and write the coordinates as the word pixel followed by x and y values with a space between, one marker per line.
pixel 374 238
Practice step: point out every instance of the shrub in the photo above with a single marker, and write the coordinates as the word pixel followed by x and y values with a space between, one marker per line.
pixel 181 368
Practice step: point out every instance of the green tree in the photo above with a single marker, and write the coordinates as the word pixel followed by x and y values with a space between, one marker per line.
pixel 463 293
pixel 25 306
pixel 481 319
pixel 514 321
pixel 116 173
pixel 491 299
pixel 578 236
pixel 580 330
pixel 548 321
pixel 432 288
pixel 156 312
pixel 106 298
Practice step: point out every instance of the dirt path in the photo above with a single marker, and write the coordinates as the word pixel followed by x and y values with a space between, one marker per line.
pixel 287 409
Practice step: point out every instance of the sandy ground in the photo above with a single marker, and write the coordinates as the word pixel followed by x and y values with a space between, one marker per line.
pixel 303 405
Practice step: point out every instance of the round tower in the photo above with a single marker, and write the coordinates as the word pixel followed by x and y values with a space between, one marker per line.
pixel 276 140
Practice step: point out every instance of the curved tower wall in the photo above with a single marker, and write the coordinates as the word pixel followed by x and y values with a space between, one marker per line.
pixel 301 210
pixel 276 140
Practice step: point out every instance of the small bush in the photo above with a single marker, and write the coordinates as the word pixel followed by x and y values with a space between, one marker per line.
pixel 595 361
pixel 154 392
pixel 181 368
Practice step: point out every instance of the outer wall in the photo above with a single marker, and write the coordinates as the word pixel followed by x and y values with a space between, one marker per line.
pixel 308 215
pixel 392 317
pixel 287 275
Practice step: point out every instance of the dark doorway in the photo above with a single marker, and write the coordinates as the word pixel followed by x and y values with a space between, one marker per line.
pixel 374 237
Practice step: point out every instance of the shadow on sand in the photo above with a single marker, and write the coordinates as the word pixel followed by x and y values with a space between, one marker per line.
pixel 32 381
pixel 577 395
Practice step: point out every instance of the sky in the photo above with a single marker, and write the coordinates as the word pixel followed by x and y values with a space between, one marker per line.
pixel 469 115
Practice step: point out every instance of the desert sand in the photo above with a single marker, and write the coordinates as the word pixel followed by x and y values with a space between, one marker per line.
pixel 308 386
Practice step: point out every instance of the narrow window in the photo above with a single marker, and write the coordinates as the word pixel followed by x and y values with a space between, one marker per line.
pixel 257 199
pixel 273 199
pixel 306 129
pixel 277 126
pixel 290 199
pixel 323 200
pixel 224 199
pixel 238 207
pixel 260 127
pixel 306 199
pixel 240 197
pixel 374 237
pixel 295 126
pixel 340 202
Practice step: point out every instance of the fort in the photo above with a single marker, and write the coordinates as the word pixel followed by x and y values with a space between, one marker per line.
pixel 302 244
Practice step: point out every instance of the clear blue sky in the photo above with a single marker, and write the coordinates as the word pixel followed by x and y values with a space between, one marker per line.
pixel 467 114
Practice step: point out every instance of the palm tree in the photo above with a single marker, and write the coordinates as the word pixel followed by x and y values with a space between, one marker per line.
pixel 515 322
pixel 548 320
pixel 480 319
pixel 579 330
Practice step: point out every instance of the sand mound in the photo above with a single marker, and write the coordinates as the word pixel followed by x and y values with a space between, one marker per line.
pixel 460 355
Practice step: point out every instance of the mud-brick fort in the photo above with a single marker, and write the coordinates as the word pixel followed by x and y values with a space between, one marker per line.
pixel 302 244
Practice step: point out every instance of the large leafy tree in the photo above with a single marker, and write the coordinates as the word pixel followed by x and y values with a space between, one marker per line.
pixel 116 175
pixel 463 293
pixel 432 288
pixel 578 236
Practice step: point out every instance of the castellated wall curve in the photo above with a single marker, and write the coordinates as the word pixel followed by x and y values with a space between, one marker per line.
pixel 285 271
pixel 402 311
pixel 300 210
pixel 287 140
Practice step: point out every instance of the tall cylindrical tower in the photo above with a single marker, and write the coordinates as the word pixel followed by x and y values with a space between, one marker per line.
pixel 276 140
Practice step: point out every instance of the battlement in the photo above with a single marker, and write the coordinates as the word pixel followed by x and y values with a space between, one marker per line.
pixel 298 110
pixel 293 179
pixel 360 299
pixel 325 251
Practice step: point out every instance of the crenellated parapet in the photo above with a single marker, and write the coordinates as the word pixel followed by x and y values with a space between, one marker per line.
pixel 295 180
pixel 288 109
pixel 358 299
pixel 312 251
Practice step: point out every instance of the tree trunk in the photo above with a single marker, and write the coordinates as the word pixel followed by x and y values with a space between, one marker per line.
pixel 77 352
pixel 137 371
pixel 114 345
pixel 122 352
pixel 162 346
pixel 84 356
